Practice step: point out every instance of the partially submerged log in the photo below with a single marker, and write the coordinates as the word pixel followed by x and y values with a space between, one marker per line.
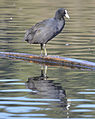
pixel 51 60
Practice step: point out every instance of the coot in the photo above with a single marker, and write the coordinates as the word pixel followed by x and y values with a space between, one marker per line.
pixel 44 31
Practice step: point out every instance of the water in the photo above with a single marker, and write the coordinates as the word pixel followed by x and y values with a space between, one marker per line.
pixel 27 90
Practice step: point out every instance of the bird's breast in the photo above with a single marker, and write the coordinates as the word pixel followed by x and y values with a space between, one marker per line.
pixel 60 25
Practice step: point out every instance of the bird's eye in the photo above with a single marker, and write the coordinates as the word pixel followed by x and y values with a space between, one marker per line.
pixel 64 12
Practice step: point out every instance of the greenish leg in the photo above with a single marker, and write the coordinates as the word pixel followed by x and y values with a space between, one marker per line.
pixel 42 70
pixel 41 49
pixel 45 49
pixel 45 73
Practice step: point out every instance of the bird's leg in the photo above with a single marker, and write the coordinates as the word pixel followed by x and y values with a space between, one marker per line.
pixel 41 49
pixel 42 70
pixel 45 73
pixel 45 49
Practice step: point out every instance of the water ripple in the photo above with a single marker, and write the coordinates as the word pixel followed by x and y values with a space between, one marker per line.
pixel 22 103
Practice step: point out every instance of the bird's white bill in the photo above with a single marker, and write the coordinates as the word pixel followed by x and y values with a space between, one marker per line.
pixel 66 14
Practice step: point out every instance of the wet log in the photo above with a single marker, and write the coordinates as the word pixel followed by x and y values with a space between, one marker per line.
pixel 51 60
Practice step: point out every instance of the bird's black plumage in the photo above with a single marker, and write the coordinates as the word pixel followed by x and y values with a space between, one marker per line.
pixel 44 31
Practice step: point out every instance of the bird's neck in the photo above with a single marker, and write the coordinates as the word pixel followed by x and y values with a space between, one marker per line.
pixel 60 24
pixel 58 17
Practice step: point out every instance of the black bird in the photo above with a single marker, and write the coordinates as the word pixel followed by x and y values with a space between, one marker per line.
pixel 44 31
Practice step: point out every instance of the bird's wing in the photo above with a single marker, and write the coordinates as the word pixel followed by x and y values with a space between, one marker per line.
pixel 34 30
pixel 29 34
pixel 44 31
pixel 41 32
pixel 40 25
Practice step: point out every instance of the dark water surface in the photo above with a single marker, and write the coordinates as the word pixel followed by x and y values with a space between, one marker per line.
pixel 27 90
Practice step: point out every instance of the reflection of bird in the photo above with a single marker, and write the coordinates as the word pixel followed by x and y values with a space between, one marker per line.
pixel 47 88
pixel 44 31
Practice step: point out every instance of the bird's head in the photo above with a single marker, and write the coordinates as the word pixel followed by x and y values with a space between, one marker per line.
pixel 60 13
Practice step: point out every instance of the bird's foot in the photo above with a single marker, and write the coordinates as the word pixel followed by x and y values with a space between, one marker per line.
pixel 42 55
pixel 45 55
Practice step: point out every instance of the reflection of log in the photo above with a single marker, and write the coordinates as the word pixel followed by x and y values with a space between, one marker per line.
pixel 52 60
